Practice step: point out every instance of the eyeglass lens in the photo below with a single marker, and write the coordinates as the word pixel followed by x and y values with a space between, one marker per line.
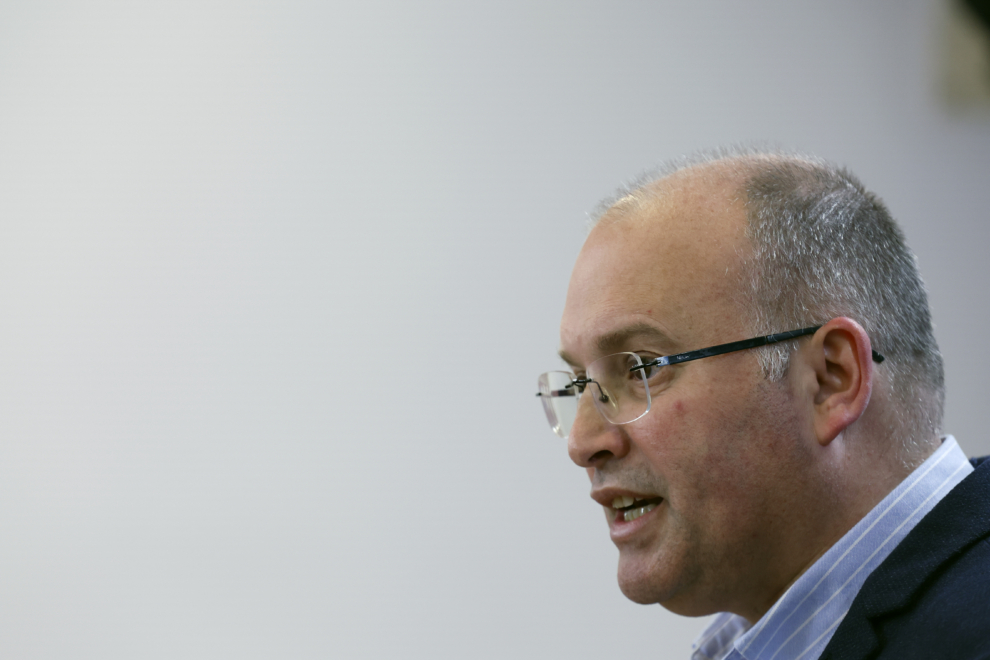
pixel 621 395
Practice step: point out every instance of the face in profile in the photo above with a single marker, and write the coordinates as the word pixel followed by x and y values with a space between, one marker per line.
pixel 691 490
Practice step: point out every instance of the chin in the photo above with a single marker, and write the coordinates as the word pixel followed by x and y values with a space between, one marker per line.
pixel 637 594
pixel 649 584
pixel 642 585
pixel 681 603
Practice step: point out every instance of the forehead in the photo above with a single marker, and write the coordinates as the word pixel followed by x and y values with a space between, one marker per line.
pixel 672 261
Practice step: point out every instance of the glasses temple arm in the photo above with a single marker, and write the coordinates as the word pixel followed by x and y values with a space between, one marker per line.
pixel 731 347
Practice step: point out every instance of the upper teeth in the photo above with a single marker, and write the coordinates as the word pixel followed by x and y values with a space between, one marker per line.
pixel 622 501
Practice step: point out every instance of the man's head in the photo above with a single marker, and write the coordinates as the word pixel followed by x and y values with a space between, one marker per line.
pixel 756 461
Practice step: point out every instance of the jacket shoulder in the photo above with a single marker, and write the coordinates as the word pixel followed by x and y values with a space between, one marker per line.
pixel 931 597
pixel 948 617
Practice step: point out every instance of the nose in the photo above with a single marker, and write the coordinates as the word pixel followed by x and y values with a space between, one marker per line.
pixel 593 440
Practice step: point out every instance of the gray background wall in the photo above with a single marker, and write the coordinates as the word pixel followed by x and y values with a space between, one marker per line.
pixel 276 279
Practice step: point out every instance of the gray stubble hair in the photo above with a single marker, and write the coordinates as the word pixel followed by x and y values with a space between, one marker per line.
pixel 824 247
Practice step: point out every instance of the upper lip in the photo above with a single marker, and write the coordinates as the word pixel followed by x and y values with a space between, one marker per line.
pixel 605 496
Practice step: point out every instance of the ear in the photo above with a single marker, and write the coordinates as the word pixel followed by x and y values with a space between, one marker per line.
pixel 841 356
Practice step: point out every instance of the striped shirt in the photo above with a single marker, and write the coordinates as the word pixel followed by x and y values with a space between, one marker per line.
pixel 801 623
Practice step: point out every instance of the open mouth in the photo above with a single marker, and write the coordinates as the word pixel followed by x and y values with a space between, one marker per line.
pixel 629 508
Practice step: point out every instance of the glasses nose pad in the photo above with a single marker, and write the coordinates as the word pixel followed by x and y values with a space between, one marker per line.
pixel 605 401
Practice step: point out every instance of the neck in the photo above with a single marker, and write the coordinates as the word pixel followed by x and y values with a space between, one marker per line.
pixel 857 476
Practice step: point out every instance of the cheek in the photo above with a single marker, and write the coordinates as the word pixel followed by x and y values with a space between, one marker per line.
pixel 686 451
pixel 716 456
pixel 701 437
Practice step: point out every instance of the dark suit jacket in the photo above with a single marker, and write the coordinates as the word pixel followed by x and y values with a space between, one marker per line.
pixel 930 599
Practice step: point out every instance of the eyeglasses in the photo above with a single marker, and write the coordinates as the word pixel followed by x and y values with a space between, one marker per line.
pixel 620 383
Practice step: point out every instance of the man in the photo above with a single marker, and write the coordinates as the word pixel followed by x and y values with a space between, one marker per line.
pixel 795 482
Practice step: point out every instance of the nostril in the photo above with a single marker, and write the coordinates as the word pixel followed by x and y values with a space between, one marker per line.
pixel 598 456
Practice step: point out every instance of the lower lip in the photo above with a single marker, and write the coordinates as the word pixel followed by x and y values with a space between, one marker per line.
pixel 621 530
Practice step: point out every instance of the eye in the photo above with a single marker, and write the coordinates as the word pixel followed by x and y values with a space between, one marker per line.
pixel 647 370
pixel 651 372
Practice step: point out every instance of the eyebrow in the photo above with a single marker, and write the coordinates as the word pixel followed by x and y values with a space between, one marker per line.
pixel 611 342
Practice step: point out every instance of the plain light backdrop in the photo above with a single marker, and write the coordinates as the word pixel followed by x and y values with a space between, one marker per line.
pixel 276 280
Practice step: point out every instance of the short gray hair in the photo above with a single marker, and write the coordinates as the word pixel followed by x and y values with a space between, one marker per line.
pixel 824 246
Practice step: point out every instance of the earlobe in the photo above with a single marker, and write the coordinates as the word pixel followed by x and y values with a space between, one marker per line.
pixel 843 367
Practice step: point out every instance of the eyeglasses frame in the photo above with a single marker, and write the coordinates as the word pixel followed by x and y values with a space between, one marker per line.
pixel 712 351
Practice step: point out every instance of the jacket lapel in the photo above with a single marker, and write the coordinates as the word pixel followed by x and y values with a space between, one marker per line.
pixel 961 519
